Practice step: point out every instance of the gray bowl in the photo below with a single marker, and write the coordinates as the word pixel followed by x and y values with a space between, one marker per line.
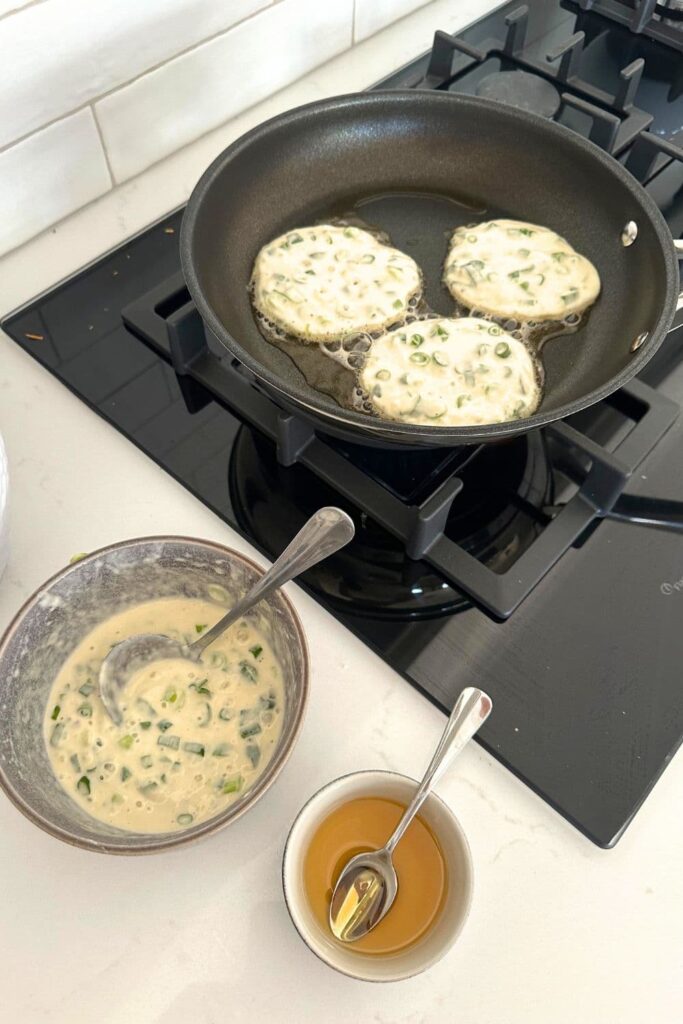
pixel 57 617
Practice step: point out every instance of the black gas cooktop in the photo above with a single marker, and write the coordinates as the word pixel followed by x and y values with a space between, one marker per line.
pixel 515 566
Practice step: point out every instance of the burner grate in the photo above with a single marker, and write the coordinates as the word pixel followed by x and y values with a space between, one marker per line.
pixel 614 119
pixel 167 319
pixel 658 20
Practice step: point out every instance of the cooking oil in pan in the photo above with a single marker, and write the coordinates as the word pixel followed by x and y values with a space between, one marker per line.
pixel 421 226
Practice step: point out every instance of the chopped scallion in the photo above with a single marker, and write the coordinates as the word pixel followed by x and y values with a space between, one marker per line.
pixel 168 741
pixel 253 753
pixel 268 701
pixel 250 730
pixel 194 748
pixel 248 671
pixel 56 734
pixel 233 784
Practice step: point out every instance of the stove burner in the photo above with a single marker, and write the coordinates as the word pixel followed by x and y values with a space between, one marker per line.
pixel 495 517
pixel 521 90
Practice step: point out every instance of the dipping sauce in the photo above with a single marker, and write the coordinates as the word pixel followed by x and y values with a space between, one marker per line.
pixel 194 737
pixel 365 824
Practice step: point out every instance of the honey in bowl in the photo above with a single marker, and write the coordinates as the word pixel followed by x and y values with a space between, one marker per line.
pixel 365 824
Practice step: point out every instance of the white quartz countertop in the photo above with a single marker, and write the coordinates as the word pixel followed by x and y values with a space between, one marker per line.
pixel 560 931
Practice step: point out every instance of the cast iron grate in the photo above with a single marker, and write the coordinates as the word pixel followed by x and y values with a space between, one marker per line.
pixel 613 118
pixel 167 319
pixel 657 20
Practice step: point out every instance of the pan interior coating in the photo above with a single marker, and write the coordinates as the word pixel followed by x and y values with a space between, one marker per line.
pixel 509 268
pixel 451 372
pixel 325 282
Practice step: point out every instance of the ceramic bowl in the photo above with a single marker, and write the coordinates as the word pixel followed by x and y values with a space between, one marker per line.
pixel 56 618
pixel 456 851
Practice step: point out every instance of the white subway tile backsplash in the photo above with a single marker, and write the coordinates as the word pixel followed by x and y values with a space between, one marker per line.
pixel 171 106
pixel 60 54
pixel 372 15
pixel 49 175
pixel 12 5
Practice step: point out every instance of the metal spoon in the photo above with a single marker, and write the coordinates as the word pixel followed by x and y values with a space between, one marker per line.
pixel 368 884
pixel 325 532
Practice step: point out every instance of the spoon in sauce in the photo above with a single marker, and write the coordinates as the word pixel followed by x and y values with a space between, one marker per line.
pixel 368 884
pixel 326 531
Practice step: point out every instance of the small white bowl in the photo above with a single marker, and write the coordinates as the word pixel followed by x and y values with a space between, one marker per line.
pixel 456 851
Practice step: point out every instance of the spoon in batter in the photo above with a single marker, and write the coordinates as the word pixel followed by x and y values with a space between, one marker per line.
pixel 325 532
pixel 367 886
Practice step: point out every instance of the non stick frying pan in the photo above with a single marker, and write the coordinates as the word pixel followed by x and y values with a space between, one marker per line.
pixel 417 164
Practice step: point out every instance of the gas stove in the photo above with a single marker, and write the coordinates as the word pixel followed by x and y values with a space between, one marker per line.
pixel 525 566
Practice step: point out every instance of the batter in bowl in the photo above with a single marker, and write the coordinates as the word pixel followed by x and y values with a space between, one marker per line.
pixel 194 737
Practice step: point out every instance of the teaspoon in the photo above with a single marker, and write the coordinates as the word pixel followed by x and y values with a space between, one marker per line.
pixel 325 532
pixel 368 884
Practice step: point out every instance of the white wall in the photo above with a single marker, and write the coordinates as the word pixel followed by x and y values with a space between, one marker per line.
pixel 94 91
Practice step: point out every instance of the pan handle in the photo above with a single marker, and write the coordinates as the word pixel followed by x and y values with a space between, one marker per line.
pixel 658 512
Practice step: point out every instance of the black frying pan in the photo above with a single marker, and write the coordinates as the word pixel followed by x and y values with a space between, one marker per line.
pixel 418 164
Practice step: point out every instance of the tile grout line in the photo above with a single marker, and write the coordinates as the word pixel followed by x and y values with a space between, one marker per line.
pixel 126 181
pixel 44 127
pixel 20 10
pixel 98 129
pixel 267 5
pixel 223 124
